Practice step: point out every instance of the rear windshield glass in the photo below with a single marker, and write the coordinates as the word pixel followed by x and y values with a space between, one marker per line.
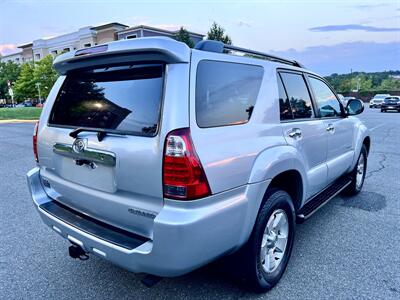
pixel 226 92
pixel 123 98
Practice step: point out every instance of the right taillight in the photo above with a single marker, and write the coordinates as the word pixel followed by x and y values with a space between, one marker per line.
pixel 34 140
pixel 183 174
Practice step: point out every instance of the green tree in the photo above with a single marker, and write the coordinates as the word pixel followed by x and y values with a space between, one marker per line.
pixel 8 71
pixel 45 75
pixel 217 33
pixel 183 36
pixel 25 87
pixel 390 84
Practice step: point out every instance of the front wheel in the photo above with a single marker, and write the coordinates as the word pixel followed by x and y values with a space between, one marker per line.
pixel 267 253
pixel 358 173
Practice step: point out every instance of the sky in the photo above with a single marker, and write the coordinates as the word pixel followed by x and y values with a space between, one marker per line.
pixel 326 36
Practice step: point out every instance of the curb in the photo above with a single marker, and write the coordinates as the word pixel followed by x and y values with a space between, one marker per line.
pixel 17 121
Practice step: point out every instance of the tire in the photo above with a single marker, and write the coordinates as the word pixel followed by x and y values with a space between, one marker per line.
pixel 276 203
pixel 356 186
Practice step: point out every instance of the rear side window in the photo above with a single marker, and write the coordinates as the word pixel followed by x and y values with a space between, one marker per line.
pixel 123 98
pixel 284 104
pixel 299 97
pixel 226 92
pixel 326 100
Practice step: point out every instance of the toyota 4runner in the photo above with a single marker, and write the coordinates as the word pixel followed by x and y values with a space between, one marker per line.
pixel 161 158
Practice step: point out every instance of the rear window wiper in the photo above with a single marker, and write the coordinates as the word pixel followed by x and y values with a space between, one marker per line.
pixel 101 133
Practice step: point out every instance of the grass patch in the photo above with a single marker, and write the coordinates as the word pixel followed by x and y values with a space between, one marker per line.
pixel 20 113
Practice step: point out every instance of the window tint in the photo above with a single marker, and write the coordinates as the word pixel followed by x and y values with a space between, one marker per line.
pixel 326 100
pixel 226 92
pixel 125 98
pixel 299 97
pixel 284 104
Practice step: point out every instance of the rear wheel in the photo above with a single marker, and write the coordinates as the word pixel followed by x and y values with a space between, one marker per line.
pixel 358 173
pixel 266 254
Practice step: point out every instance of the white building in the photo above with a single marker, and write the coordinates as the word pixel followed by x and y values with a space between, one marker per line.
pixel 87 37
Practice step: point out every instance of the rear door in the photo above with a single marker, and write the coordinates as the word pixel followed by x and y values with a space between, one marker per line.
pixel 340 129
pixel 115 177
pixel 302 129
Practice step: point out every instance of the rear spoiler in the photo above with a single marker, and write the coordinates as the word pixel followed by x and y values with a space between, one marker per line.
pixel 125 51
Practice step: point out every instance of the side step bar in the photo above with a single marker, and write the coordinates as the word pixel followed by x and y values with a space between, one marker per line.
pixel 322 198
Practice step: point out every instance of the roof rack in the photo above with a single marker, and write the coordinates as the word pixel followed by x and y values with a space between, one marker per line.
pixel 220 47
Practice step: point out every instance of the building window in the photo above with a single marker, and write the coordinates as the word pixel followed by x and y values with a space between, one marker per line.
pixel 131 36
pixel 37 56
pixel 17 60
pixel 87 45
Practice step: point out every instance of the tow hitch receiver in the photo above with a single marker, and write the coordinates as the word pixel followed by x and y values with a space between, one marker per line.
pixel 76 251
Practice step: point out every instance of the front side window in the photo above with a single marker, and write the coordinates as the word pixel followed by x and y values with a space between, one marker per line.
pixel 327 102
pixel 299 97
pixel 123 98
pixel 226 92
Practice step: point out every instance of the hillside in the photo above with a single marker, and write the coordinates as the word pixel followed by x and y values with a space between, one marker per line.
pixel 366 83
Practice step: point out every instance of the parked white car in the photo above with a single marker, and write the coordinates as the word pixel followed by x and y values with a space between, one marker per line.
pixel 377 101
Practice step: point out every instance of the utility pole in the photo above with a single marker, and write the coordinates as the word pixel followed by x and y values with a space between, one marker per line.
pixel 38 87
pixel 10 92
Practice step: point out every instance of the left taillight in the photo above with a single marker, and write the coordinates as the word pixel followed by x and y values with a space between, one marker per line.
pixel 183 175
pixel 34 140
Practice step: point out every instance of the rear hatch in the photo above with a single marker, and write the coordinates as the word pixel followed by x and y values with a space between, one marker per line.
pixel 101 149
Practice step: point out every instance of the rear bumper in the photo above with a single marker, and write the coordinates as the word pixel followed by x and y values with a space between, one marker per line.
pixel 391 107
pixel 186 235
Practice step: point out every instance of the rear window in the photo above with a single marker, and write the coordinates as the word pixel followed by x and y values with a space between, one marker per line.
pixel 226 92
pixel 123 98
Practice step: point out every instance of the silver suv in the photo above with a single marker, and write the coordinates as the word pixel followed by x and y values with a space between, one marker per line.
pixel 161 158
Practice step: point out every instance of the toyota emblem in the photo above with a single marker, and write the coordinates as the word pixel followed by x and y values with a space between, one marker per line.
pixel 79 146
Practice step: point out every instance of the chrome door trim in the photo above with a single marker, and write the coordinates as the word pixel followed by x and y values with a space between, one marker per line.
pixel 90 154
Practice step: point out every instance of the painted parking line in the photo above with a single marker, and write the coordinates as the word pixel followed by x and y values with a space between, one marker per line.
pixel 376 127
pixel 17 121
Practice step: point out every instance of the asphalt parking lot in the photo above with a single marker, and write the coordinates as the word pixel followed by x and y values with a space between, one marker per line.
pixel 349 249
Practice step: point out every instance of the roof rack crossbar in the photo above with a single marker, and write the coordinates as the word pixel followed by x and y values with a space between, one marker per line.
pixel 220 47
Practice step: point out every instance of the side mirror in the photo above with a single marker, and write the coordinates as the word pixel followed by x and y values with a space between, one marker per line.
pixel 354 107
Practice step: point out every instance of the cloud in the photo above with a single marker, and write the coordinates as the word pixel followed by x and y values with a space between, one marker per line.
pixel 242 23
pixel 371 6
pixel 8 49
pixel 340 58
pixel 353 27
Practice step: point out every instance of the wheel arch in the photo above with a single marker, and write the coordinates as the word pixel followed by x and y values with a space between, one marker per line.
pixel 280 167
pixel 291 182
pixel 280 163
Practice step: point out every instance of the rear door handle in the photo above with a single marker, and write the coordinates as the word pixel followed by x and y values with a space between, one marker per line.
pixel 295 133
pixel 330 128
